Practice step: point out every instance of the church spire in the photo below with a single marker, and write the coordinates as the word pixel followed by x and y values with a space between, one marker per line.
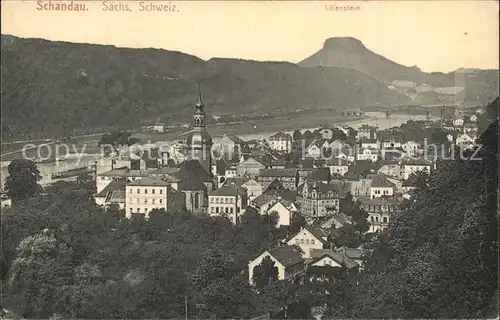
pixel 199 101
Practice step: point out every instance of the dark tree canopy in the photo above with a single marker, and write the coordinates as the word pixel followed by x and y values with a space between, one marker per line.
pixel 265 274
pixel 22 182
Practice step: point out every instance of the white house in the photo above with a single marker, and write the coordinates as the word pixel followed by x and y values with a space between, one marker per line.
pixel 367 154
pixel 280 142
pixel 287 259
pixel 337 166
pixel 464 140
pixel 144 195
pixel 370 143
pixel 381 186
pixel 411 147
pixel 228 201
pixel 308 239
pixel 413 165
pixel 285 210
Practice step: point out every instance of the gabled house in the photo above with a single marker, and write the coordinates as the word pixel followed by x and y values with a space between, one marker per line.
pixel 284 209
pixel 308 239
pixel 337 221
pixel 230 145
pixel 288 177
pixel 281 142
pixel 367 154
pixel 287 259
pixel 464 140
pixel 390 140
pixel 250 166
pixel 367 132
pixel 412 148
pixel 319 199
pixel 330 258
pixel 113 193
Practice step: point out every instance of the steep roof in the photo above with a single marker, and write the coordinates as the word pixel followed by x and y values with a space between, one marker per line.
pixel 228 191
pixel 339 257
pixel 381 181
pixel 192 168
pixel 192 183
pixel 235 139
pixel 319 174
pixel 280 136
pixel 116 184
pixel 353 253
pixel 412 181
pixel 286 255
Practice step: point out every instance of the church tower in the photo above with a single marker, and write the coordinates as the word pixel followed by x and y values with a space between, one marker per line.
pixel 199 142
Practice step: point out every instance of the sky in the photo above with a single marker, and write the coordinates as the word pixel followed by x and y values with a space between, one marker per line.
pixel 433 35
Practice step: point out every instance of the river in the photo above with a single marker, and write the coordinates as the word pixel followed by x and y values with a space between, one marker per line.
pixel 372 118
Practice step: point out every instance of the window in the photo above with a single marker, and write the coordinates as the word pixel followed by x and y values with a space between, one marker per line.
pixel 227 200
pixel 216 209
pixel 376 219
pixel 296 241
pixel 217 200
pixel 231 210
pixel 161 191
pixel 153 201
pixel 145 191
pixel 138 191
pixel 131 210
pixel 312 241
pixel 384 219
pixel 161 201
pixel 307 241
pixel 153 191
pixel 301 241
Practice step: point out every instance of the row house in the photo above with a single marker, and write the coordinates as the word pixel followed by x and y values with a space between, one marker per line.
pixel 281 142
pixel 289 178
pixel 228 201
pixel 318 199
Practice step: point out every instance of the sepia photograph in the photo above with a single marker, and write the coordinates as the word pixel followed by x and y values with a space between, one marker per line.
pixel 249 159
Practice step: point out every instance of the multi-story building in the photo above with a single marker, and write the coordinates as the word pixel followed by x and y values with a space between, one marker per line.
pixel 228 201
pixel 288 177
pixel 280 142
pixel 147 194
pixel 367 132
pixel 105 178
pixel 381 187
pixel 409 166
pixel 379 211
pixel 318 199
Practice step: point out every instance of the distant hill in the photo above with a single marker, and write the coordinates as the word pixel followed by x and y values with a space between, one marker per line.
pixel 481 86
pixel 52 88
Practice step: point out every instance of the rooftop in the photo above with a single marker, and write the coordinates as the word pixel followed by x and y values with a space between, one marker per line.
pixel 278 172
pixel 381 181
pixel 286 255
pixel 149 181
